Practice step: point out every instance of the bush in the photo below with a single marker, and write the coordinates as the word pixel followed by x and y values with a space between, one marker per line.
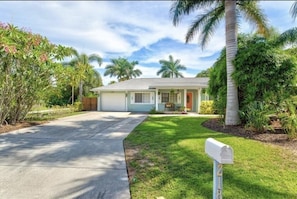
pixel 256 117
pixel 77 106
pixel 207 107
pixel 289 119
pixel 154 111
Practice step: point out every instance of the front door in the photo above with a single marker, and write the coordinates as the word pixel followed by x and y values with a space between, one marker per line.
pixel 189 101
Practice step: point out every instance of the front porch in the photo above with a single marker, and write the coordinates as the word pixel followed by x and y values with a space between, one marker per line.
pixel 178 99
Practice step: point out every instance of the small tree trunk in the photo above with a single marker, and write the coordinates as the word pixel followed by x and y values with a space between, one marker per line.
pixel 80 90
pixel 72 97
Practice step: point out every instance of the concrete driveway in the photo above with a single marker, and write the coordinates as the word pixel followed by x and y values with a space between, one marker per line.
pixel 80 156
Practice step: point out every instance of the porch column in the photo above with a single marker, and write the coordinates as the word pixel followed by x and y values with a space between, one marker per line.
pixel 157 99
pixel 185 99
pixel 198 100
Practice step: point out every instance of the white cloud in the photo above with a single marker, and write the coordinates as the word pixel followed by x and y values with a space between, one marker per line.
pixel 119 28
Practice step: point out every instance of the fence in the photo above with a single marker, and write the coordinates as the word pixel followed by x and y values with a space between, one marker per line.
pixel 89 104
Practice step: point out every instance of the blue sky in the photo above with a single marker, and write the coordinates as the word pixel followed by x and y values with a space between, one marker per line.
pixel 137 30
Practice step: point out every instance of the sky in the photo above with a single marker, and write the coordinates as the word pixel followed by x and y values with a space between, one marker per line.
pixel 136 30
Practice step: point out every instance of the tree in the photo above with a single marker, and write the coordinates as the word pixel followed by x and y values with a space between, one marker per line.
pixel 82 68
pixel 207 23
pixel 171 68
pixel 28 66
pixel 122 69
pixel 293 10
pixel 204 73
pixel 265 72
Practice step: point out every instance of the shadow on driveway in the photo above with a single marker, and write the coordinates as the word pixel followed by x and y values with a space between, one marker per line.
pixel 76 157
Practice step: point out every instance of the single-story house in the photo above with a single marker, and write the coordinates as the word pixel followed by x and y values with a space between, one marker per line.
pixel 146 94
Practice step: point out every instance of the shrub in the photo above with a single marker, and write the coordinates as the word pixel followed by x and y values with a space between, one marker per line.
pixel 256 117
pixel 207 107
pixel 154 111
pixel 77 106
pixel 289 118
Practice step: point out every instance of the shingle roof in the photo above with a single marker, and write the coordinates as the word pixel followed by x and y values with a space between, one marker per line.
pixel 153 83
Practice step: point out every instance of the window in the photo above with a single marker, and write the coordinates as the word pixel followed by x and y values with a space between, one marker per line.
pixel 171 97
pixel 142 98
pixel 165 97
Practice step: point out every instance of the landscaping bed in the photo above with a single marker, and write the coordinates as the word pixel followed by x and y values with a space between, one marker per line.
pixel 278 137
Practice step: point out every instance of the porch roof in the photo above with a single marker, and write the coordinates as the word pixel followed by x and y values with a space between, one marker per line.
pixel 155 83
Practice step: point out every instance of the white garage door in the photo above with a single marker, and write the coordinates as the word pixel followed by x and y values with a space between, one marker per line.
pixel 113 102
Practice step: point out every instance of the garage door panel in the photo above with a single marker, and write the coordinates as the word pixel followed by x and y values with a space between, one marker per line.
pixel 113 101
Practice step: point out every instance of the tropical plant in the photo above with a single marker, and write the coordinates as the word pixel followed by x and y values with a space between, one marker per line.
pixel 122 69
pixel 263 72
pixel 207 107
pixel 204 73
pixel 28 67
pixel 171 68
pixel 293 10
pixel 82 68
pixel 208 22
pixel 288 117
pixel 217 85
pixel 256 117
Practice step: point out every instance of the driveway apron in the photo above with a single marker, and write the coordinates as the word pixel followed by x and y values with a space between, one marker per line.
pixel 80 156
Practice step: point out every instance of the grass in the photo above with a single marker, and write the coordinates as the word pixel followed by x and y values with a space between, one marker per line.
pixel 51 114
pixel 171 163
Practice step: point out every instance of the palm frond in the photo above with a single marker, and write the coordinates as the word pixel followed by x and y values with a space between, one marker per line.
pixel 207 22
pixel 289 36
pixel 185 7
pixel 254 15
pixel 293 10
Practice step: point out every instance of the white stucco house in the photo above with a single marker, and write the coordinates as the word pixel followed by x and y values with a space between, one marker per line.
pixel 145 94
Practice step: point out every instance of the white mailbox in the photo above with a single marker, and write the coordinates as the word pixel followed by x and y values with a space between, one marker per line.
pixel 219 151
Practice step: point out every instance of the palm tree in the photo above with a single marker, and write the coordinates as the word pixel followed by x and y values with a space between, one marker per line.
pixel 293 10
pixel 82 67
pixel 122 69
pixel 206 24
pixel 171 68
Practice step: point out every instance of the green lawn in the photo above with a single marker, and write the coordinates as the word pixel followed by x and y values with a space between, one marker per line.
pixel 171 162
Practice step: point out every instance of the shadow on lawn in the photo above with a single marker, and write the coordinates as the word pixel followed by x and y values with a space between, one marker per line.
pixel 176 165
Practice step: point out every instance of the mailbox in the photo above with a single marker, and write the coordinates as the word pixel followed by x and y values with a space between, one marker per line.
pixel 219 151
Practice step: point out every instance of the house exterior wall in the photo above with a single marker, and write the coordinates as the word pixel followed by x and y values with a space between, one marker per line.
pixel 132 106
pixel 140 107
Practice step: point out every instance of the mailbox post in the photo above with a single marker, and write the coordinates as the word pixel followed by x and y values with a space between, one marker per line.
pixel 221 154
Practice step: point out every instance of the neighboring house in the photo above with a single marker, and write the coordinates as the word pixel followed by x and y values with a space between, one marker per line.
pixel 145 94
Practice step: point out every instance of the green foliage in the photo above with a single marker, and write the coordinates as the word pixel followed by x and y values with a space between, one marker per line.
pixel 122 69
pixel 288 117
pixel 207 107
pixel 263 71
pixel 77 106
pixel 217 86
pixel 171 68
pixel 28 68
pixel 154 111
pixel 80 72
pixel 256 117
pixel 204 73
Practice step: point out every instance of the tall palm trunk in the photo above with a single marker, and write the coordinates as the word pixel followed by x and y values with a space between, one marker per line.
pixel 232 106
